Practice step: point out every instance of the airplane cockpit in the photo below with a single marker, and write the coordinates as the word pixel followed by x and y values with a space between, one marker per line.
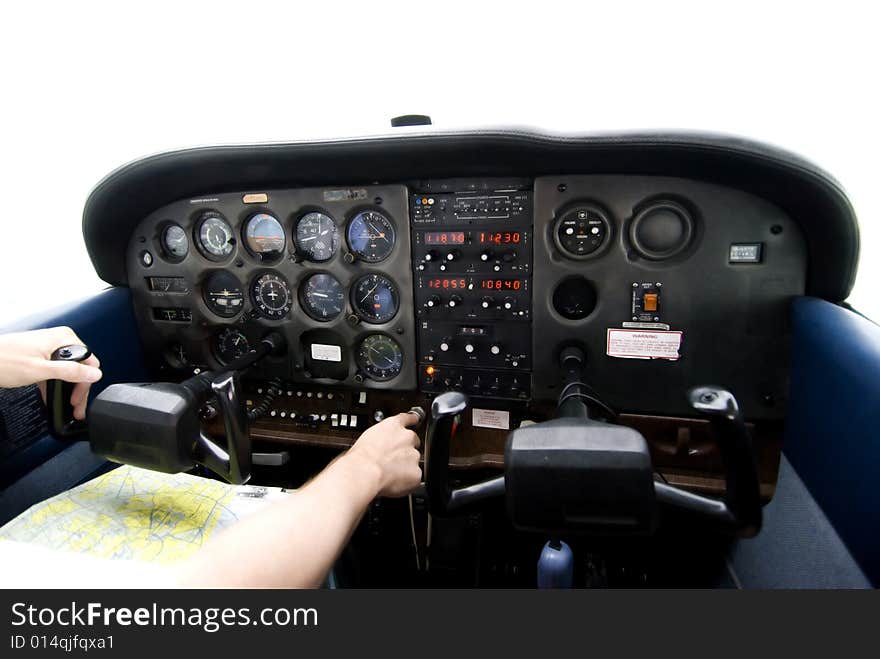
pixel 629 353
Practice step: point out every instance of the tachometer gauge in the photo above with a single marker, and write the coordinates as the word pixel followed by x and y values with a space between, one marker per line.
pixel 264 236
pixel 223 293
pixel 215 238
pixel 271 295
pixel 375 298
pixel 175 244
pixel 322 297
pixel 316 236
pixel 380 357
pixel 230 344
pixel 371 236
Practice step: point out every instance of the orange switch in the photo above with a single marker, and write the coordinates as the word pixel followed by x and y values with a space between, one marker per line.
pixel 649 302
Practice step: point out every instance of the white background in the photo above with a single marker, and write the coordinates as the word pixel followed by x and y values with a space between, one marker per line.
pixel 87 87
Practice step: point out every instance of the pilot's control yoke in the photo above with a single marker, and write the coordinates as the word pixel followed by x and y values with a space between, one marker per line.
pixel 156 425
pixel 578 474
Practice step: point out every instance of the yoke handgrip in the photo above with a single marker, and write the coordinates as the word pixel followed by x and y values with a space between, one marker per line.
pixel 445 415
pixel 62 424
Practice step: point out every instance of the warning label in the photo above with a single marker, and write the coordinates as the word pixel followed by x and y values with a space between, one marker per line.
pixel 499 419
pixel 639 344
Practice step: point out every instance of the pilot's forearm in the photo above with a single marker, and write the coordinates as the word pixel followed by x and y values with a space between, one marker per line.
pixel 294 542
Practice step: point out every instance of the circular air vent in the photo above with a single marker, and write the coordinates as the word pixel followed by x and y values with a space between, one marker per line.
pixel 661 230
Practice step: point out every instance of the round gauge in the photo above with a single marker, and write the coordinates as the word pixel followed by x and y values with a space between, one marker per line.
pixel 215 238
pixel 380 357
pixel 271 295
pixel 574 298
pixel 371 236
pixel 316 236
pixel 175 244
pixel 230 344
pixel 582 232
pixel 322 297
pixel 264 236
pixel 223 293
pixel 375 299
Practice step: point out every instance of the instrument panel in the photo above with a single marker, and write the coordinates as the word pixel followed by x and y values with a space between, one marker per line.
pixel 329 268
pixel 478 284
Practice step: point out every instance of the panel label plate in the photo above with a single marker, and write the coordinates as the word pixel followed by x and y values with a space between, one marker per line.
pixel 498 419
pixel 639 344
pixel 326 353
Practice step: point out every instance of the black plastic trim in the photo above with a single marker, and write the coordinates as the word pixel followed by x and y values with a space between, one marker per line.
pixel 811 196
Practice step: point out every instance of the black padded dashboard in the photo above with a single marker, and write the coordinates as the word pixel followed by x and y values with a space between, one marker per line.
pixel 683 248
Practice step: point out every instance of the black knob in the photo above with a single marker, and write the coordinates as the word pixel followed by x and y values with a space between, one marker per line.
pixel 446 344
pixel 487 302
pixel 431 255
pixel 509 257
pixel 486 255
pixel 453 255
pixel 454 301
pixel 433 302
pixel 509 303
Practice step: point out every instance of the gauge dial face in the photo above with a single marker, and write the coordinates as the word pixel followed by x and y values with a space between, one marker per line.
pixel 175 244
pixel 223 294
pixel 375 298
pixel 316 236
pixel 264 236
pixel 322 297
pixel 380 357
pixel 271 295
pixel 215 237
pixel 230 344
pixel 371 236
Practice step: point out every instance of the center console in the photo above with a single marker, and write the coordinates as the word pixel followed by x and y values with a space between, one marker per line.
pixel 472 275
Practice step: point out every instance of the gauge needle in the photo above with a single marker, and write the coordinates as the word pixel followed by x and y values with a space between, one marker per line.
pixel 370 292
pixel 319 294
pixel 309 238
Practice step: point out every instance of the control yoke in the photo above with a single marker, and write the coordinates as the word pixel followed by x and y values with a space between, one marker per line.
pixel 156 425
pixel 576 473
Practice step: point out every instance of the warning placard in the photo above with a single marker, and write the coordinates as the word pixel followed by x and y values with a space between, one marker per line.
pixel 639 344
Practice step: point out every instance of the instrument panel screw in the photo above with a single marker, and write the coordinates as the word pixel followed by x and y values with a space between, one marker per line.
pixel 776 229
pixel 562 187
pixel 708 397
pixel 378 201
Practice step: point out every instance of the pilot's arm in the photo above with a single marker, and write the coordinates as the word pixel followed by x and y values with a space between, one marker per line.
pixel 25 359
pixel 294 542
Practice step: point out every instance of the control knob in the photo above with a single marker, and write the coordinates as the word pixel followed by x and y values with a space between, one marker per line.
pixel 486 255
pixel 433 301
pixel 487 302
pixel 431 255
pixel 445 344
pixel 495 349
pixel 453 255
pixel 509 303
pixel 454 301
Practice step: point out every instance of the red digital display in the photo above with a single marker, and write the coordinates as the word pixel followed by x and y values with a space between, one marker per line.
pixel 500 237
pixel 448 283
pixel 502 284
pixel 444 238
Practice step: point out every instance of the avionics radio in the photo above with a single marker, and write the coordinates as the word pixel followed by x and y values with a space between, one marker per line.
pixel 472 263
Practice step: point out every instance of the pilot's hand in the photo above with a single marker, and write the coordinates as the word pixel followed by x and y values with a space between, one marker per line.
pixel 25 358
pixel 394 449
